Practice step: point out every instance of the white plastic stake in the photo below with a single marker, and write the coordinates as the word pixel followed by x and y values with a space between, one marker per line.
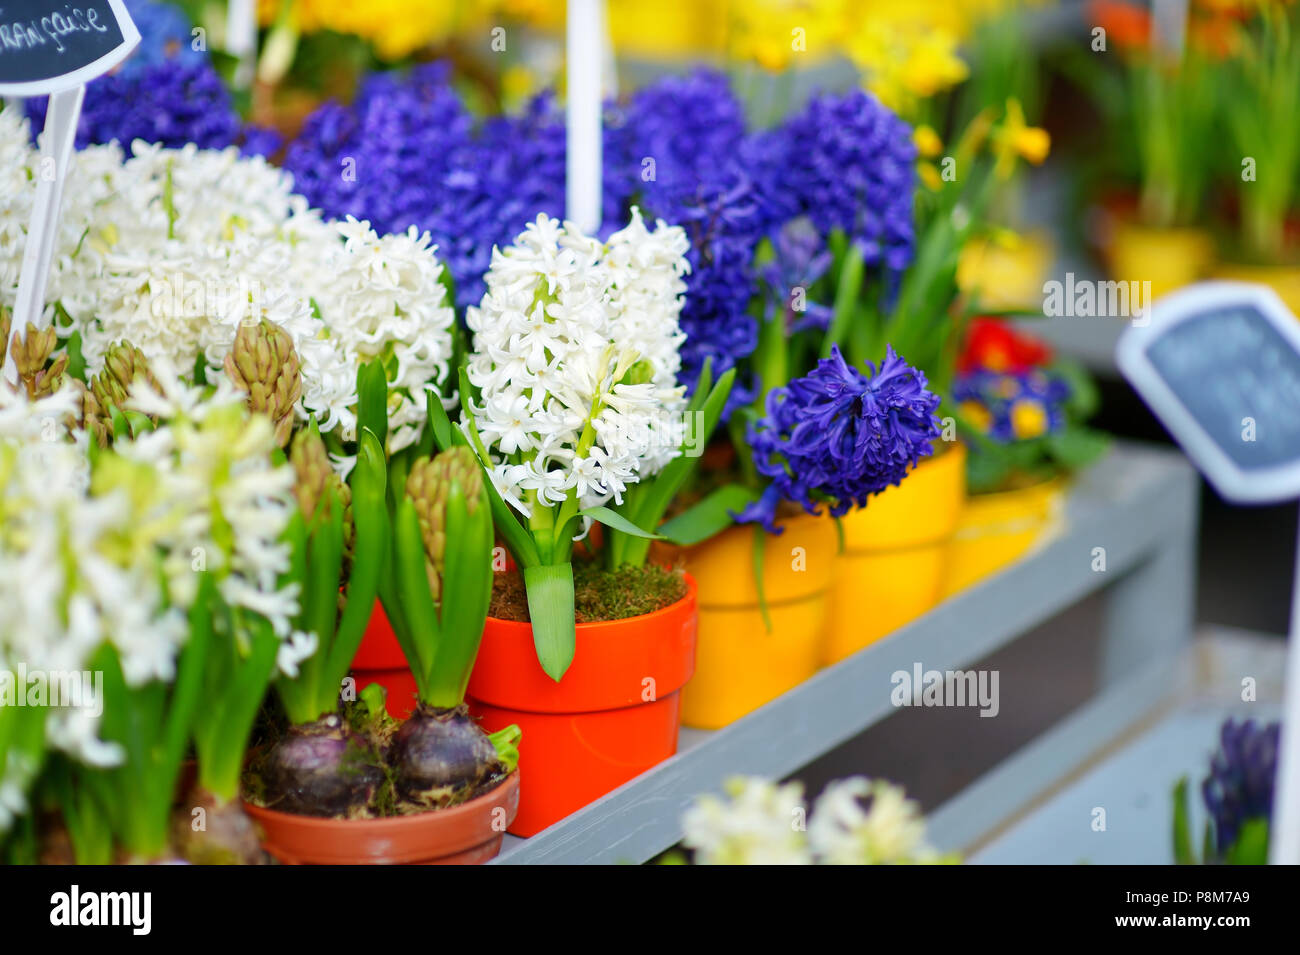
pixel 241 39
pixel 585 32
pixel 57 143
pixel 1284 833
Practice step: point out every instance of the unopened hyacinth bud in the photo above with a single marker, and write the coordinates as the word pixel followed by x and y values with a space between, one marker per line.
pixel 31 354
pixel 264 363
pixel 428 486
pixel 124 365
pixel 313 475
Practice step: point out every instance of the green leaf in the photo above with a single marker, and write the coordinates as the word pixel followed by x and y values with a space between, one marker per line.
pixel 421 642
pixel 1077 447
pixel 611 518
pixel 709 516
pixel 1183 852
pixel 373 530
pixel 466 595
pixel 372 400
pixel 550 608
pixel 846 297
pixel 649 500
pixel 444 433
pixel 506 742
pixel 1251 847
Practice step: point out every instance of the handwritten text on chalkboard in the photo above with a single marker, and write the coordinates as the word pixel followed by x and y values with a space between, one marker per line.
pixel 50 30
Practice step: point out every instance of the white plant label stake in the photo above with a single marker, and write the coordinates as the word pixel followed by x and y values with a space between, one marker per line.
pixel 52 48
pixel 1219 364
pixel 585 36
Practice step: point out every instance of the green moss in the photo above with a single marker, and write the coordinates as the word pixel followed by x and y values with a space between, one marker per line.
pixel 600 594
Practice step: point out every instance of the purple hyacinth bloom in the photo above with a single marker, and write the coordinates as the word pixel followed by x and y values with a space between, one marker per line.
pixel 849 163
pixel 837 436
pixel 800 260
pixel 407 152
pixel 1240 785
pixel 677 149
pixel 165 37
pixel 171 102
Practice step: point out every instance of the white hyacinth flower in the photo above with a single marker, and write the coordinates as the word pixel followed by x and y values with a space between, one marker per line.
pixel 760 823
pixel 575 357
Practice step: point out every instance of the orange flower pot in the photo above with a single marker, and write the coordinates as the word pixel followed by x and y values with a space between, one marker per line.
pixel 468 834
pixel 614 714
pixel 380 660
pixel 741 663
pixel 896 554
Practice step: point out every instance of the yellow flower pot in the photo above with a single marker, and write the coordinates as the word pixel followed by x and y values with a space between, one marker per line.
pixel 998 529
pixel 1283 279
pixel 1006 274
pixel 895 555
pixel 1167 258
pixel 739 663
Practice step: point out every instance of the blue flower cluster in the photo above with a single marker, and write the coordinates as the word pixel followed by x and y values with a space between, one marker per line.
pixel 848 163
pixel 837 436
pixel 1011 406
pixel 800 259
pixel 165 92
pixel 677 148
pixel 407 153
pixel 1240 785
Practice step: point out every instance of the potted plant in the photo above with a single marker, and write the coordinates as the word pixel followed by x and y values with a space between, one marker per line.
pixel 167 598
pixel 1238 799
pixel 1263 88
pixel 1021 411
pixel 1160 104
pixel 353 785
pixel 571 404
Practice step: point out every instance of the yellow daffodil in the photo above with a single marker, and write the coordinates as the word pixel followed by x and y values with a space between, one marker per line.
pixel 927 141
pixel 930 177
pixel 774 33
pixel 1016 138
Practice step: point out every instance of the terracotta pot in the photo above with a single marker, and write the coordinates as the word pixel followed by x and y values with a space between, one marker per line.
pixel 895 557
pixel 742 664
pixel 614 714
pixel 998 529
pixel 380 660
pixel 468 834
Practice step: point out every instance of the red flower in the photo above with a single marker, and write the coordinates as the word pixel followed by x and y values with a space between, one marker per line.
pixel 994 346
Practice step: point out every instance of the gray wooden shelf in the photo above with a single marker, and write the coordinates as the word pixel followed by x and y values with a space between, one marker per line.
pixel 1139 504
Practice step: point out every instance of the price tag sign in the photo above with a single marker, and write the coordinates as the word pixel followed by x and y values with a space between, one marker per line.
pixel 1219 364
pixel 53 48
pixel 47 46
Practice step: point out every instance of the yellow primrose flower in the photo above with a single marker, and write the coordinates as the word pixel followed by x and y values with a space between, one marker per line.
pixel 1028 419
pixel 927 141
pixel 979 417
pixel 1016 138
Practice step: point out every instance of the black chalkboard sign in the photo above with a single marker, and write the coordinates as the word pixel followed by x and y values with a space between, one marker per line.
pixel 47 46
pixel 1219 364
